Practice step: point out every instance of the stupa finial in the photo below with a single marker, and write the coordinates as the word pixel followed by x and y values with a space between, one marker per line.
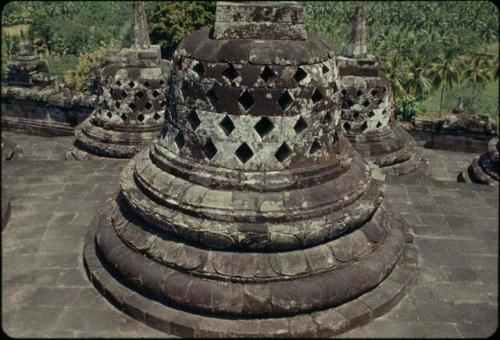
pixel 357 45
pixel 140 26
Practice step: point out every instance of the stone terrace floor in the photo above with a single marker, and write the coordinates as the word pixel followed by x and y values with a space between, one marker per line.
pixel 45 291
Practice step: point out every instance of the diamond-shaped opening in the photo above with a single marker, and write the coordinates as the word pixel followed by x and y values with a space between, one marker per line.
pixel 193 119
pixel 109 114
pixel 349 103
pixel 148 106
pixel 124 94
pixel 315 146
pixel 374 92
pixel 325 69
pixel 371 114
pixel 209 149
pixel 267 74
pixel 283 152
pixel 285 101
pixel 300 126
pixel 364 126
pixel 355 114
pixel 335 87
pixel 227 125
pixel 179 63
pixel 300 74
pixel 131 84
pixel 246 100
pixel 344 92
pixel 328 118
pixel 161 83
pixel 230 73
pixel 157 116
pixel 198 68
pixel 139 94
pixel 366 103
pixel 131 106
pixel 179 140
pixel 212 96
pixel 347 126
pixel 140 118
pixel 124 117
pixel 264 127
pixel 379 124
pixel 147 84
pixel 317 96
pixel 118 83
pixel 117 105
pixel 244 153
pixel 156 93
pixel 359 93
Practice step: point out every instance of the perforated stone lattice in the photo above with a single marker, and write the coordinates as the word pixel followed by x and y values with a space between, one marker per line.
pixel 365 107
pixel 131 102
pixel 277 111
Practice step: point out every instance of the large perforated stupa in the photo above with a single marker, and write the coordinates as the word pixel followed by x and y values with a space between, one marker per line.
pixel 252 215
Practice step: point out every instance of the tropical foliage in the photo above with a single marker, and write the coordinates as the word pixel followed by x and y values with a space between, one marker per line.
pixel 426 48
pixel 433 52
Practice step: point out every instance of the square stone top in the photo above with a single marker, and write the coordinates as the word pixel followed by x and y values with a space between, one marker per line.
pixel 281 20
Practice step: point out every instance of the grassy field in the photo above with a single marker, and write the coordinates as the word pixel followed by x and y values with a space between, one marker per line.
pixel 485 101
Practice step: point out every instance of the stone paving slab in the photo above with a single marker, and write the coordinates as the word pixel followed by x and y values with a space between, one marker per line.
pixel 46 293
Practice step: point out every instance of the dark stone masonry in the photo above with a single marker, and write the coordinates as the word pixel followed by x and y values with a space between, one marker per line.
pixel 485 168
pixel 226 225
pixel 32 101
pixel 131 100
pixel 367 108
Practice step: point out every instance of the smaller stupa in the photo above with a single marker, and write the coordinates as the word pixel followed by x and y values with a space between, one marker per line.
pixel 367 108
pixel 131 99
pixel 27 69
pixel 483 169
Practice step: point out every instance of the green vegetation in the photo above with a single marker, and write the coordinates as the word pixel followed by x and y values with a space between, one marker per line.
pixel 170 22
pixel 433 52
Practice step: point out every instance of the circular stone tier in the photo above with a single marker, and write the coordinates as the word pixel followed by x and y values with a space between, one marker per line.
pixel 483 169
pixel 252 215
pixel 368 118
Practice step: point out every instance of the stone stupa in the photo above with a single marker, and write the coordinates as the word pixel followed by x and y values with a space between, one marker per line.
pixel 483 169
pixel 367 108
pixel 252 215
pixel 131 99
pixel 27 69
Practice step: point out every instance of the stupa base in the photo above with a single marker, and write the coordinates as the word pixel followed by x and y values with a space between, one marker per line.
pixel 174 320
pixel 474 173
pixel 399 169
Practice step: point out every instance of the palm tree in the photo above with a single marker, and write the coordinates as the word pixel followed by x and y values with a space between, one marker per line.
pixel 395 69
pixel 445 73
pixel 418 82
pixel 478 73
